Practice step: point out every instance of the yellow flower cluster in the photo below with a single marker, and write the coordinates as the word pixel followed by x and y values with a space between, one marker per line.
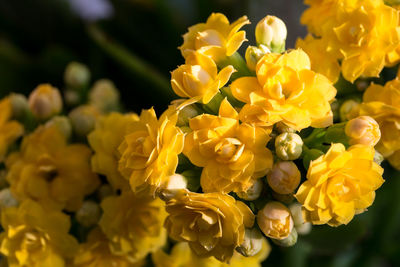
pixel 340 184
pixel 362 34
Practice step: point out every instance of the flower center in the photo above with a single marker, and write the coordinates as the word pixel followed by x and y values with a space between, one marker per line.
pixel 209 37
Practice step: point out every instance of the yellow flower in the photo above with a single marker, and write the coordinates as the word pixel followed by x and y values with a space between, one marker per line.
pixel 212 223
pixel 96 253
pixel 149 151
pixel 199 79
pixel 383 104
pixel 181 255
pixel 285 90
pixel 133 224
pixel 321 61
pixel 108 134
pixel 50 171
pixel 36 237
pixel 233 155
pixel 10 130
pixel 275 220
pixel 340 184
pixel 216 38
pixel 360 33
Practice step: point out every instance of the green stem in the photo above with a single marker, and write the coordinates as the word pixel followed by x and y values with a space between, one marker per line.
pixel 237 61
pixel 131 61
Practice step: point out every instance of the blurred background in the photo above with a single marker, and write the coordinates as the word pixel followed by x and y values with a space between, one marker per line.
pixel 134 43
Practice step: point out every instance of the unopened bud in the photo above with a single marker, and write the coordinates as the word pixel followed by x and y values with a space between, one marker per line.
pixel 104 95
pixel 62 123
pixel 252 243
pixel 271 32
pixel 71 97
pixel 89 213
pixel 289 241
pixel 284 177
pixel 76 75
pixel 83 119
pixel 302 227
pixel 363 130
pixel 349 110
pixel 253 192
pixel 253 55
pixel 275 220
pixel 288 146
pixel 19 105
pixel 45 101
pixel 378 157
pixel 186 114
pixel 7 199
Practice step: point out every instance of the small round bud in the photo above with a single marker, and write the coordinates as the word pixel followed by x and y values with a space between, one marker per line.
pixel 83 119
pixel 275 220
pixel 45 101
pixel 7 199
pixel 104 95
pixel 302 227
pixel 19 105
pixel 76 75
pixel 71 97
pixel 363 130
pixel 104 191
pixel 362 85
pixel 288 146
pixel 289 241
pixel 284 177
pixel 253 192
pixel 378 157
pixel 186 114
pixel 349 110
pixel 271 31
pixel 252 242
pixel 89 213
pixel 63 124
pixel 253 55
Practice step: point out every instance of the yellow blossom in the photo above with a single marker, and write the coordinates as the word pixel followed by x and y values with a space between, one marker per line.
pixel 133 224
pixel 216 38
pixel 10 130
pixel 50 171
pixel 383 104
pixel 232 155
pixel 360 33
pixel 36 237
pixel 95 252
pixel 199 78
pixel 285 90
pixel 321 61
pixel 181 255
pixel 108 134
pixel 212 223
pixel 149 151
pixel 340 184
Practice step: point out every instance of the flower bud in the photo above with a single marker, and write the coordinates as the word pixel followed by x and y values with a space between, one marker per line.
pixel 104 95
pixel 271 31
pixel 378 157
pixel 186 114
pixel 89 213
pixel 71 97
pixel 253 55
pixel 284 177
pixel 288 146
pixel 275 220
pixel 7 199
pixel 349 110
pixel 252 242
pixel 363 130
pixel 63 124
pixel 83 119
pixel 302 227
pixel 19 105
pixel 253 192
pixel 45 101
pixel 76 75
pixel 289 241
